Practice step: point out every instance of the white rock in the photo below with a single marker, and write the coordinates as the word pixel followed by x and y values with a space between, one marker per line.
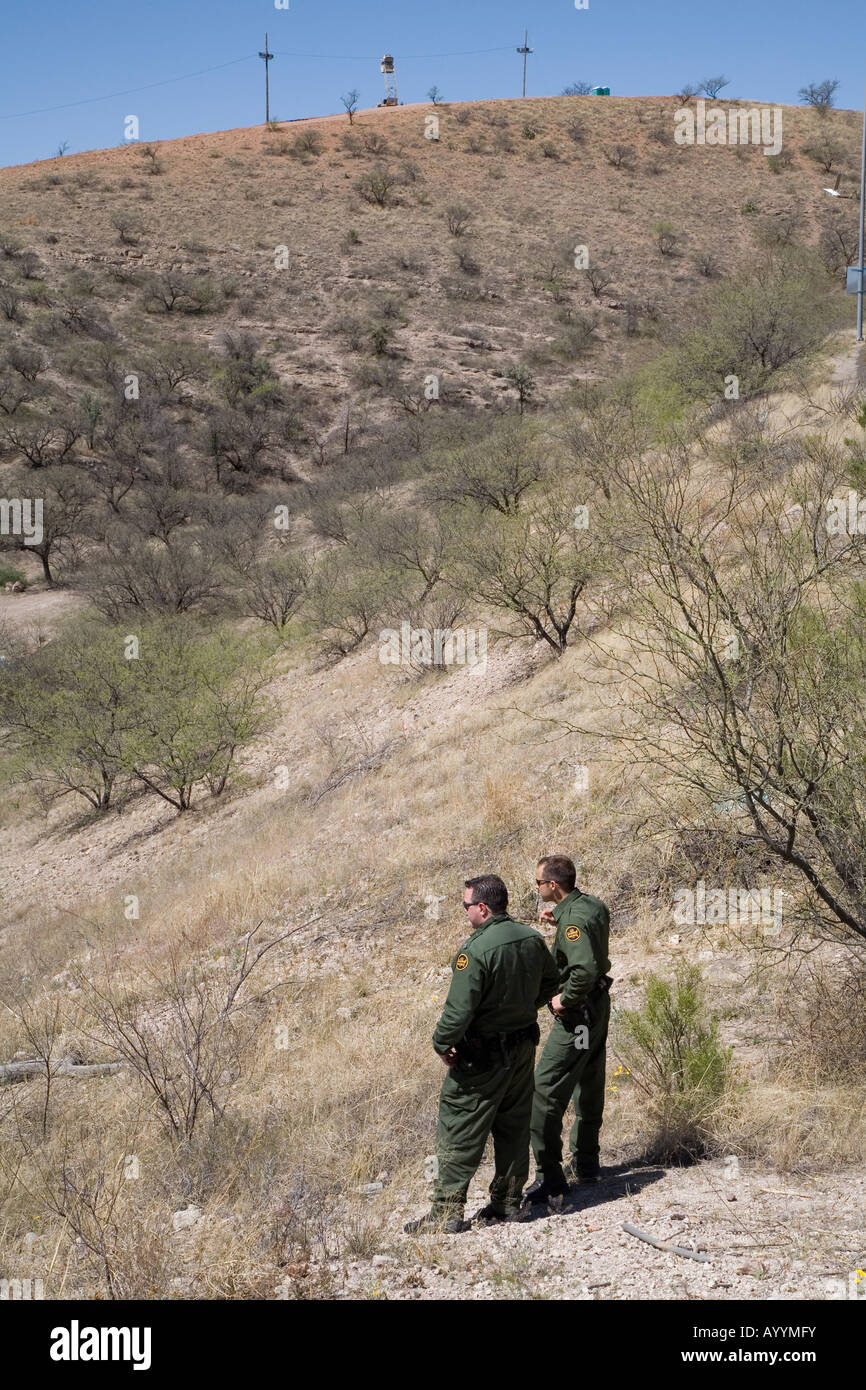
pixel 182 1220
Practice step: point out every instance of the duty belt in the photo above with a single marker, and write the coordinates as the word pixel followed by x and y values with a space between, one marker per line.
pixel 479 1052
pixel 578 1012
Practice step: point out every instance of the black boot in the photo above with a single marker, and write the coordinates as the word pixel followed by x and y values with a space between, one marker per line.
pixel 582 1171
pixel 439 1222
pixel 489 1216
pixel 552 1184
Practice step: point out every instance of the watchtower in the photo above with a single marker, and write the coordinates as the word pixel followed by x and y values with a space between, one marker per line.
pixel 387 69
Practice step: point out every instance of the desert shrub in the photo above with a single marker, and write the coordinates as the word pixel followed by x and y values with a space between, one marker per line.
pixel 11 304
pixel 88 713
pixel 619 156
pixel 380 338
pixel 273 587
pixel 173 291
pixel 458 216
pixel 774 316
pixel 375 143
pixel 137 574
pixel 671 1048
pixel 10 575
pixel 661 133
pixel 777 163
pixel 307 145
pixel 827 154
pixel 494 472
pixel 520 378
pixel 128 226
pixel 598 279
pixel 196 701
pixel 67 498
pixel 824 1014
pixel 345 601
pixel 577 338
pixel 29 265
pixel 29 361
pixel 67 707
pixel 150 155
pixel 467 262
pixel 377 187
pixel 838 238
pixel 532 571
pixel 666 238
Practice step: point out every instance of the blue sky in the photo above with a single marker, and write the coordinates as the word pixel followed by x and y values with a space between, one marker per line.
pixel 65 53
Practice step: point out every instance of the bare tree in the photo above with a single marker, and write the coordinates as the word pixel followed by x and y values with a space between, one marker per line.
pixel 532 566
pixel 744 667
pixel 350 101
pixel 713 85
pixel 188 1056
pixel 494 473
pixel 67 498
pixel 819 95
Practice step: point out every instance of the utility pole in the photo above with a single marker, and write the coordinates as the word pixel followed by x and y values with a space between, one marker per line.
pixel 862 221
pixel 525 50
pixel 267 55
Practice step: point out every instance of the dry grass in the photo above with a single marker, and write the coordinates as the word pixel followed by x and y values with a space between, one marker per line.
pixel 330 1083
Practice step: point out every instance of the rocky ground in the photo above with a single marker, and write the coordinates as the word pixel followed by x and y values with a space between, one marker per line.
pixel 765 1236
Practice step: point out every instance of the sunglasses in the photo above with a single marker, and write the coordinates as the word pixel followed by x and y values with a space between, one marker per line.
pixel 539 881
pixel 468 905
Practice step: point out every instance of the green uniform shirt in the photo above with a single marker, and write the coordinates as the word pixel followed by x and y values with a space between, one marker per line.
pixel 500 978
pixel 581 944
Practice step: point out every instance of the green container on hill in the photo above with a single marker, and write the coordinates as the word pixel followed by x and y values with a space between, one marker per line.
pixel 600 92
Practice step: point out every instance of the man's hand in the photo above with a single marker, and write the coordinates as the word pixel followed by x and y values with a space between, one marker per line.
pixel 556 1005
pixel 547 915
pixel 450 1057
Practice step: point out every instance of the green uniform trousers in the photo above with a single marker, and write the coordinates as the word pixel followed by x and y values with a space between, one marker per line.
pixel 566 1073
pixel 472 1107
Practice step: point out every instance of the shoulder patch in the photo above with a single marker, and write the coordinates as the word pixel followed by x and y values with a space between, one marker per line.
pixel 572 933
pixel 461 962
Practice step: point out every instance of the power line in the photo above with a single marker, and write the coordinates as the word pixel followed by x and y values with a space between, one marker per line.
pixel 200 72
pixel 404 57
pixel 130 91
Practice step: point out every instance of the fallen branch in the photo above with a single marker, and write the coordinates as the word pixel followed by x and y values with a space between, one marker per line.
pixel 11 1072
pixel 662 1245
pixel 777 1192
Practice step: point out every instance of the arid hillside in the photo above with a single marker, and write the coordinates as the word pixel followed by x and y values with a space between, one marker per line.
pixel 234 832
pixel 404 256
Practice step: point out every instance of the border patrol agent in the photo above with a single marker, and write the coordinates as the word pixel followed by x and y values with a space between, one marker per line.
pixel 487 1036
pixel 572 1063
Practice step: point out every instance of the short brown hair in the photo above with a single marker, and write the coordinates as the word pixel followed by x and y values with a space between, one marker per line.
pixel 560 870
